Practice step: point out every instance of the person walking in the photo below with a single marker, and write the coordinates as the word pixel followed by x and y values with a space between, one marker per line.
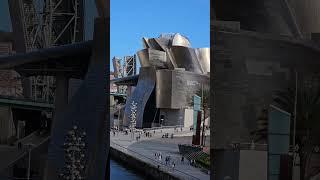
pixel 182 160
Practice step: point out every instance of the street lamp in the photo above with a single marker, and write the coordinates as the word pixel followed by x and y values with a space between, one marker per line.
pixel 29 161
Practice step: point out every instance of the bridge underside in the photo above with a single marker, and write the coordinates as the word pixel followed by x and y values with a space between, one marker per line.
pixel 88 106
pixel 71 60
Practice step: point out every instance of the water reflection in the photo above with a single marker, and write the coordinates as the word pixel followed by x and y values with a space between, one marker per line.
pixel 118 171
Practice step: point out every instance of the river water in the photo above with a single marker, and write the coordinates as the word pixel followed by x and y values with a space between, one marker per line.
pixel 118 171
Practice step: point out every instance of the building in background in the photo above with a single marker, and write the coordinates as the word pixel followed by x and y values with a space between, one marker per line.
pixel 171 73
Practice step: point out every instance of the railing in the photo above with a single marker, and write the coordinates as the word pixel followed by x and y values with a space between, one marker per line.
pixel 24 99
pixel 162 127
pixel 159 164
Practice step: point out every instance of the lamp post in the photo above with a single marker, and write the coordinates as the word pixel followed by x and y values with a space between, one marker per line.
pixel 29 160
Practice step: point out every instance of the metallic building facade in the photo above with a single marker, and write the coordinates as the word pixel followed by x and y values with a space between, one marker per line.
pixel 307 15
pixel 175 88
pixel 171 73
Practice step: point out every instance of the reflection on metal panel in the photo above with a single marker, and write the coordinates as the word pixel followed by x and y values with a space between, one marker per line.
pixel 141 94
pixel 163 88
pixel 179 40
pixel 176 88
pixel 279 139
pixel 151 57
pixel 186 58
pixel 306 14
pixel 203 55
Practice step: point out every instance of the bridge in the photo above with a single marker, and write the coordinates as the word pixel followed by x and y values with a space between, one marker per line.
pixel 25 103
pixel 88 106
pixel 128 81
pixel 118 94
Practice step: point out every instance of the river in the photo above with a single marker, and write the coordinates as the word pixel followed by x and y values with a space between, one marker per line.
pixel 118 171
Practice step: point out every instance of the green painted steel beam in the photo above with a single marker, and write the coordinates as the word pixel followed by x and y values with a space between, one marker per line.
pixel 25 104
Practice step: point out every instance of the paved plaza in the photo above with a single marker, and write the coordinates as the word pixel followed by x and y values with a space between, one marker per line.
pixel 146 147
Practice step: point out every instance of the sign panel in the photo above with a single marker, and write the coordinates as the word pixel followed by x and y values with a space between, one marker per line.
pixel 196 108
pixel 197 103
pixel 278 139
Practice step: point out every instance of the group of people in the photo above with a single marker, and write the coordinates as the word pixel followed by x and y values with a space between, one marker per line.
pixel 166 135
pixel 148 134
pixel 158 156
pixel 115 132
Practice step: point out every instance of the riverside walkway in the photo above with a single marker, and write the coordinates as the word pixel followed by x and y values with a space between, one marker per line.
pixel 145 149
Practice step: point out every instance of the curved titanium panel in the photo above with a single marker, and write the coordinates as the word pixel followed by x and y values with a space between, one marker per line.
pixel 175 88
pixel 179 40
pixel 269 16
pixel 152 43
pixel 203 55
pixel 140 95
pixel 185 57
pixel 150 57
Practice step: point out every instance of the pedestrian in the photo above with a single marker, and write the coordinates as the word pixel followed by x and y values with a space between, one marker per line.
pixel 166 160
pixel 182 159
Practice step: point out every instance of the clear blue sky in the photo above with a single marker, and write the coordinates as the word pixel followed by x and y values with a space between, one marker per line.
pixel 133 19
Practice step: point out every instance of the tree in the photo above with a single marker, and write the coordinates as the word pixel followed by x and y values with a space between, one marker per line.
pixel 204 93
pixel 307 114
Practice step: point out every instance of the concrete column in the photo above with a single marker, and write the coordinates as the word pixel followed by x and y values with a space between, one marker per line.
pixel 61 93
pixel 27 87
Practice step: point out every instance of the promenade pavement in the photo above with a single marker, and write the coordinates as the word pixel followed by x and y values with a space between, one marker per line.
pixel 146 148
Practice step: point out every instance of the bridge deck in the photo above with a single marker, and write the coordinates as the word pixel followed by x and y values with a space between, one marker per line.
pixel 24 103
